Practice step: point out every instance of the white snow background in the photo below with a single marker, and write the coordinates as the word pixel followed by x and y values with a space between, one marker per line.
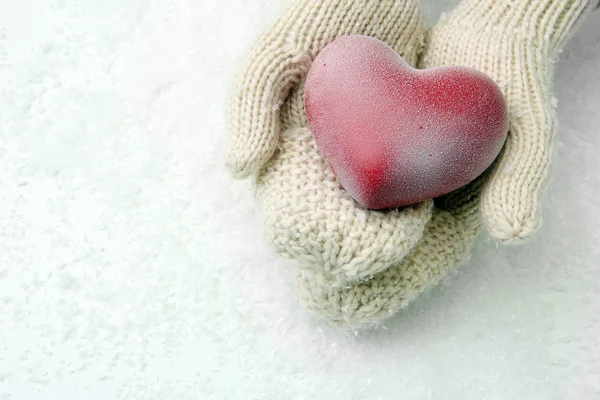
pixel 133 267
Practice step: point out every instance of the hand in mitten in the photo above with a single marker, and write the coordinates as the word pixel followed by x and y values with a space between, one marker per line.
pixel 445 243
pixel 309 217
pixel 514 43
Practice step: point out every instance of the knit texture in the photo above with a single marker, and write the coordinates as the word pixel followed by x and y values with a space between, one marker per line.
pixel 445 244
pixel 309 218
pixel 280 60
pixel 515 43
pixel 314 222
pixel 359 266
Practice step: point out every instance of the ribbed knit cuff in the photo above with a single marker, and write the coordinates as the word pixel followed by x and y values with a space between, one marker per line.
pixel 311 24
pixel 544 21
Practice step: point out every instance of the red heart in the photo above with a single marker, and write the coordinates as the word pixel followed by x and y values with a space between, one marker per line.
pixel 395 135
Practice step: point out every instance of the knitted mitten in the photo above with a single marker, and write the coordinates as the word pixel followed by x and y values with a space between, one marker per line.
pixel 309 218
pixel 515 43
pixel 445 244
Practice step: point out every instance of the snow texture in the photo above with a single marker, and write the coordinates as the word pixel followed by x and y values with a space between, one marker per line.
pixel 132 266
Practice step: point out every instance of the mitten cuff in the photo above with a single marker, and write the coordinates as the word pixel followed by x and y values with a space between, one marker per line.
pixel 547 22
pixel 315 23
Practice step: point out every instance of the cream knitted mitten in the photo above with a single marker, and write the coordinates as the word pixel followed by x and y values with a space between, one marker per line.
pixel 445 244
pixel 309 218
pixel 515 42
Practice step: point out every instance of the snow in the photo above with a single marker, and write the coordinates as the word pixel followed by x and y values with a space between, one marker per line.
pixel 133 267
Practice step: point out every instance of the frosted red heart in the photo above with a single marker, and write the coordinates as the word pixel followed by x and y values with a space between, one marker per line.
pixel 395 135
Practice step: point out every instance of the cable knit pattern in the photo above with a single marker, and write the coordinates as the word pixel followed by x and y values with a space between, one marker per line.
pixel 514 42
pixel 309 218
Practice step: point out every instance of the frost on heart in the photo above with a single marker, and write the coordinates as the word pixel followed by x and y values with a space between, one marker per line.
pixel 395 135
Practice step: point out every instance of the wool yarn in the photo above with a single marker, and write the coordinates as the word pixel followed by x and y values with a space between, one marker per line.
pixel 516 43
